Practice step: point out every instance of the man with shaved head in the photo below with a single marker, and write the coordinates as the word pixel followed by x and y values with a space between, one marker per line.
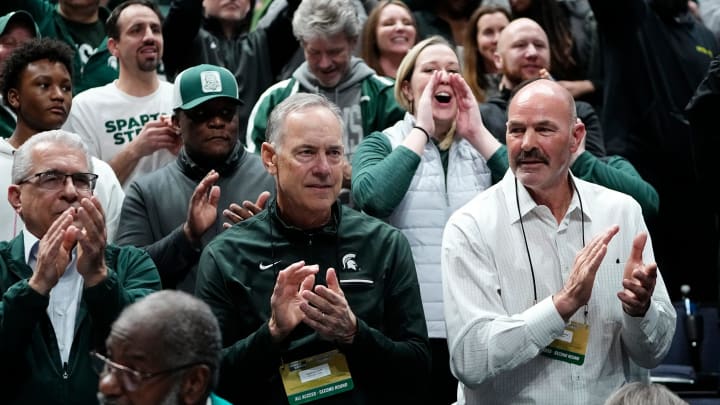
pixel 552 291
pixel 523 53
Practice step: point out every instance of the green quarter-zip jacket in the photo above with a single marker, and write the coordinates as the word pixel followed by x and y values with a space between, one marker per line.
pixel 390 353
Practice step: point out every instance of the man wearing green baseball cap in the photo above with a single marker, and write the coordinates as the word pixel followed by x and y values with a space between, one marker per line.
pixel 16 28
pixel 175 211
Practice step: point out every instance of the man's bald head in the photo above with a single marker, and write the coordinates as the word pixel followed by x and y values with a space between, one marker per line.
pixel 543 89
pixel 542 135
pixel 522 51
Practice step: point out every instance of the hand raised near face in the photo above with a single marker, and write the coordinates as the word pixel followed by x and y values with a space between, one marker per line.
pixel 468 121
pixel 156 135
pixel 328 312
pixel 54 253
pixel 424 114
pixel 287 298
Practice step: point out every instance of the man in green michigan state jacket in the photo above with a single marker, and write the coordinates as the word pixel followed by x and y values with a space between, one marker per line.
pixel 62 286
pixel 314 299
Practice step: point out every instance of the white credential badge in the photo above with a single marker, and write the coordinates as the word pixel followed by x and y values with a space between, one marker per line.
pixel 210 82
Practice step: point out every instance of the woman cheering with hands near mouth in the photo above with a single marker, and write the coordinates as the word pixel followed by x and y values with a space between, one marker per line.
pixel 416 173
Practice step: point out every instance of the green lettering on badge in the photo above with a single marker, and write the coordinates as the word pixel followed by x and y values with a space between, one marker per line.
pixel 320 392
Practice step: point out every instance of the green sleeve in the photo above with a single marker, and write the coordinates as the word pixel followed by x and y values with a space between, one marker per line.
pixel 257 123
pixel 618 174
pixel 498 164
pixel 257 126
pixel 380 175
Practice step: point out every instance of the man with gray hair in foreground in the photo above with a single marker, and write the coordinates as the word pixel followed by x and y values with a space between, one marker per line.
pixel 162 350
pixel 61 283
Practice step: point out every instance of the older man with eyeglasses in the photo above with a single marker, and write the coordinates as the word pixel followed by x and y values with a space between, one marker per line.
pixel 163 350
pixel 62 285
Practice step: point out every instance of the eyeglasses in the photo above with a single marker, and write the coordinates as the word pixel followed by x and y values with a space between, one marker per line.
pixel 55 180
pixel 130 379
pixel 203 114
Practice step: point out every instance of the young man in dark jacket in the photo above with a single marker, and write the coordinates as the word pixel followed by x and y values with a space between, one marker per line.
pixel 255 57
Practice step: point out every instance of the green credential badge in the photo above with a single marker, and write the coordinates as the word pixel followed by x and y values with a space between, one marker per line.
pixel 316 377
pixel 571 346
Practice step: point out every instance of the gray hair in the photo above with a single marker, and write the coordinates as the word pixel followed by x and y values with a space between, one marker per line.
pixel 640 393
pixel 22 161
pixel 186 329
pixel 325 18
pixel 294 103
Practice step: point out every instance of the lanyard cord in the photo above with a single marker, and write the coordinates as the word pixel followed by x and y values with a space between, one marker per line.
pixel 527 247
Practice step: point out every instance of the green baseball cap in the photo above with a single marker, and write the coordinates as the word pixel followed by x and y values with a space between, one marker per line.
pixel 19 16
pixel 198 84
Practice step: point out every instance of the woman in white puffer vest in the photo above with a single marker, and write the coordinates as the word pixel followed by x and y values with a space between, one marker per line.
pixel 416 173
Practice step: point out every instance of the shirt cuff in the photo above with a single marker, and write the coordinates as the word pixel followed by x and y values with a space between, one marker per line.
pixel 544 322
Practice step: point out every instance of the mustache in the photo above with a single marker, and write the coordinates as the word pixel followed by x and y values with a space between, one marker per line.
pixel 533 154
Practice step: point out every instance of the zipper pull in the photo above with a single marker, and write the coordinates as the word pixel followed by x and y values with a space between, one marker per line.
pixel 65 371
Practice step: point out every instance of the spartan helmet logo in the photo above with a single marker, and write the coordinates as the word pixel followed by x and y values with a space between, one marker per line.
pixel 349 263
pixel 210 81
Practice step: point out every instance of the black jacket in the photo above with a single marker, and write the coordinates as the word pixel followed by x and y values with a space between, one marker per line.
pixel 494 116
pixel 191 40
pixel 389 358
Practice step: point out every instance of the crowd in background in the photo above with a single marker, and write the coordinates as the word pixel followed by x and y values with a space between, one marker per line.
pixel 182 108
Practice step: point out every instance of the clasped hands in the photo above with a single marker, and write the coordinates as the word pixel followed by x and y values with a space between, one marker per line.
pixel 296 299
pixel 82 226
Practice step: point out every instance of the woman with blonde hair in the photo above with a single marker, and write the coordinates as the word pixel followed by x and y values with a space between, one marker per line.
pixel 416 173
pixel 479 45
pixel 388 34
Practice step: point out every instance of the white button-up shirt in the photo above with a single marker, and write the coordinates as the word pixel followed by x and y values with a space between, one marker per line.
pixel 496 332
pixel 64 297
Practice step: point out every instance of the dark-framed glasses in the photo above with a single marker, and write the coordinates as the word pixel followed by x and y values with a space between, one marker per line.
pixel 131 380
pixel 204 113
pixel 55 180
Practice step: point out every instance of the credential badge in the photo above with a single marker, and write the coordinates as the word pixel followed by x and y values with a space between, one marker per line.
pixel 210 82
